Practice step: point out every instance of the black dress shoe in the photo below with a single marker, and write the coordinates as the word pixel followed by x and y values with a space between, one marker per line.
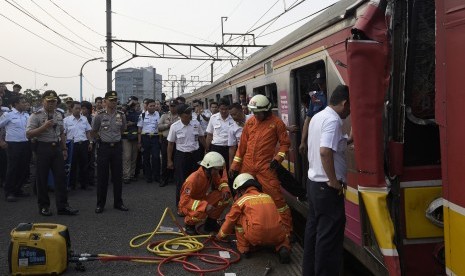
pixel 45 212
pixel 11 198
pixel 99 210
pixel 121 207
pixel 68 211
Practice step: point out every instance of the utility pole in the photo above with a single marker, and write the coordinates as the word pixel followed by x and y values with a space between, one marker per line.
pixel 109 52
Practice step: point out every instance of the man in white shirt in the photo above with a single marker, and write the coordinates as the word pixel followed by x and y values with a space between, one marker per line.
pixel 324 232
pixel 148 142
pixel 77 129
pixel 217 131
pixel 18 149
pixel 235 131
pixel 186 134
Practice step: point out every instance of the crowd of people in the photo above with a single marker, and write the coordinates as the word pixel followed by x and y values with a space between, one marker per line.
pixel 220 159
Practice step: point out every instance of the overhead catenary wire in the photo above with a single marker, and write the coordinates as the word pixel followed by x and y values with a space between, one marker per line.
pixel 38 73
pixel 19 25
pixel 72 42
pixel 77 20
pixel 92 84
pixel 90 44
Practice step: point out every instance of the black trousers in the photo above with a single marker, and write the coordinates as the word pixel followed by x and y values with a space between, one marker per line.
pixel 324 231
pixel 185 163
pixel 18 156
pixel 166 173
pixel 79 164
pixel 109 157
pixel 3 161
pixel 224 151
pixel 50 157
pixel 151 157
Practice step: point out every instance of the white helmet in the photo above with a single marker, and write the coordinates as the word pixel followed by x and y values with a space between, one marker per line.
pixel 259 103
pixel 212 159
pixel 241 179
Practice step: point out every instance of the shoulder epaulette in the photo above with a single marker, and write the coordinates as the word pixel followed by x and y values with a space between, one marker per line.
pixel 101 111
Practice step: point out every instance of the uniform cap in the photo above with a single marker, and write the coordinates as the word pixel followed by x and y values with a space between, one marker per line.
pixel 320 77
pixel 110 95
pixel 133 98
pixel 184 108
pixel 173 103
pixel 68 99
pixel 49 95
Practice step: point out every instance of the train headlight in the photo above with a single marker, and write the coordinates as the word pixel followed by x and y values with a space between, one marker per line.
pixel 435 212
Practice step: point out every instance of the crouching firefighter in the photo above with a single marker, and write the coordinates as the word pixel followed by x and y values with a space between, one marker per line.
pixel 256 220
pixel 205 194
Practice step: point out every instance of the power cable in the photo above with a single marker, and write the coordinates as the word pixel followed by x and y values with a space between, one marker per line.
pixel 42 37
pixel 263 15
pixel 23 10
pixel 162 27
pixel 76 19
pixel 34 71
pixel 62 24
pixel 92 84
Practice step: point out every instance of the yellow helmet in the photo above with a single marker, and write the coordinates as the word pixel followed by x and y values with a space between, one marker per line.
pixel 259 103
pixel 212 159
pixel 241 180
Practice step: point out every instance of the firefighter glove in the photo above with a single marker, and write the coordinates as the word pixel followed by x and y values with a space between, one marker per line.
pixel 274 165
pixel 226 194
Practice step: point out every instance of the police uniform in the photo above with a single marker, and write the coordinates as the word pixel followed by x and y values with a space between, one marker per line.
pixel 50 147
pixel 186 138
pixel 219 128
pixel 18 151
pixel 148 128
pixel 164 127
pixel 109 127
pixel 76 130
pixel 129 141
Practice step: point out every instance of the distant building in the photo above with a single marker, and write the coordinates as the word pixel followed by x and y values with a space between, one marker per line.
pixel 140 82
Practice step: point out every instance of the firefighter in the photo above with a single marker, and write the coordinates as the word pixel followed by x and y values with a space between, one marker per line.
pixel 205 194
pixel 255 153
pixel 256 219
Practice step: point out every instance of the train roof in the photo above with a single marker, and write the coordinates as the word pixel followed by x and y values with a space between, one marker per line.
pixel 338 11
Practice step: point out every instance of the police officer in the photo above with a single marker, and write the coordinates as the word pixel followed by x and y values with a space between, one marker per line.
pixel 18 150
pixel 166 121
pixel 47 126
pixel 217 131
pixel 148 140
pixel 186 134
pixel 77 130
pixel 129 141
pixel 109 124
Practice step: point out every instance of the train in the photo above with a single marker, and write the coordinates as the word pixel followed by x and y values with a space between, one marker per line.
pixel 405 201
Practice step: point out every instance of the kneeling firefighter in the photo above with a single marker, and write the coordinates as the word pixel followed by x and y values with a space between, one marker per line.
pixel 256 219
pixel 205 194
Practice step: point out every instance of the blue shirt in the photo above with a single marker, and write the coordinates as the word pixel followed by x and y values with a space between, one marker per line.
pixel 15 125
pixel 317 103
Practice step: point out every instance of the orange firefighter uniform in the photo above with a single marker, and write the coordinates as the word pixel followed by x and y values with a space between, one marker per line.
pixel 255 152
pixel 257 222
pixel 198 192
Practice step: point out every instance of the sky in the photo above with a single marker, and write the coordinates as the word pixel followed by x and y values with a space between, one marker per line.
pixel 45 42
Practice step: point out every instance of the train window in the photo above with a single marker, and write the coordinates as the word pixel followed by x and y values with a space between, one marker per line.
pixel 229 97
pixel 206 103
pixel 218 97
pixel 269 90
pixel 268 67
pixel 240 91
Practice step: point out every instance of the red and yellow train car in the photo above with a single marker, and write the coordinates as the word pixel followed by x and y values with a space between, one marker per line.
pixel 405 203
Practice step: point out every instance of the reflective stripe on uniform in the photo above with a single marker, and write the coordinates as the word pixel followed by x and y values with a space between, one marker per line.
pixel 283 209
pixel 237 159
pixel 221 234
pixel 239 229
pixel 244 199
pixel 282 154
pixel 195 205
pixel 222 185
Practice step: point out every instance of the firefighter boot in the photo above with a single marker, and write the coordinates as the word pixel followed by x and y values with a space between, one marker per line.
pixel 284 255
pixel 190 230
pixel 211 225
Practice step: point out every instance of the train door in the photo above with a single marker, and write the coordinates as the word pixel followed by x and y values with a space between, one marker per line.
pixel 301 85
pixel 271 91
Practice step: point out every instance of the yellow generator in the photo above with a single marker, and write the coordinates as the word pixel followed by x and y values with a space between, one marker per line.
pixel 38 249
